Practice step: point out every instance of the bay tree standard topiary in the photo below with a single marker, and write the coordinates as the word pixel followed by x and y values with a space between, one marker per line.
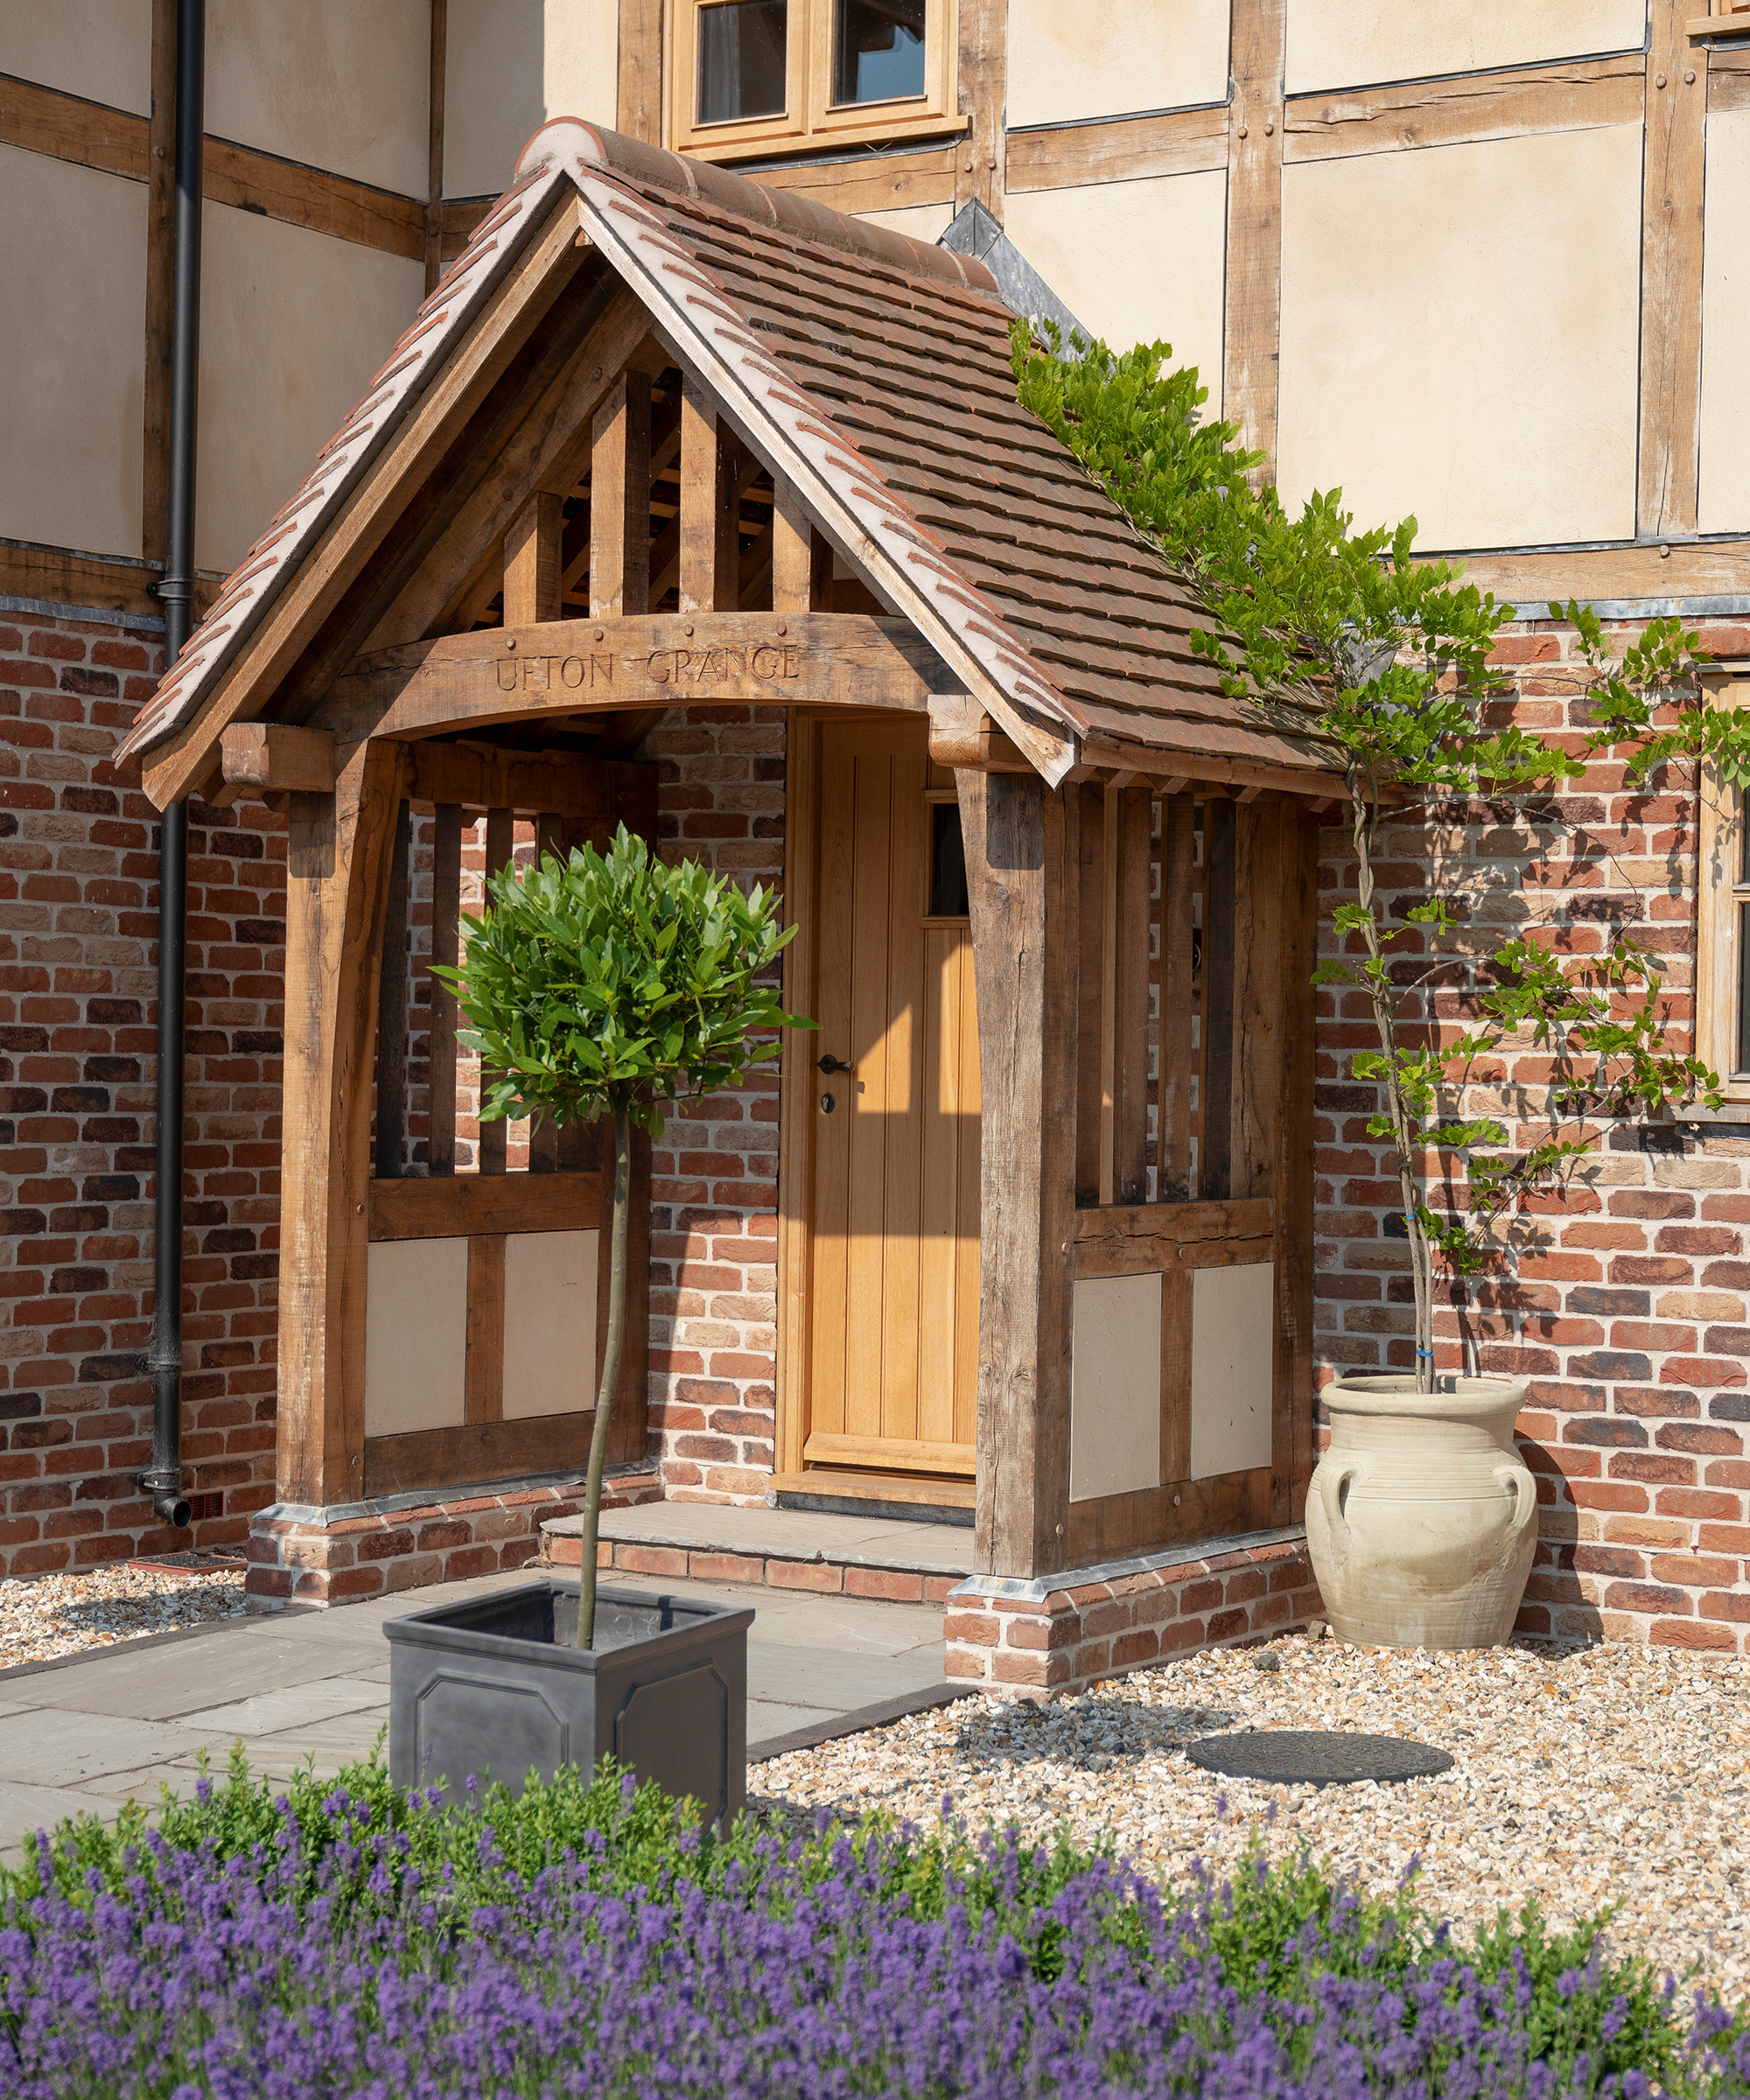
pixel 1390 664
pixel 609 986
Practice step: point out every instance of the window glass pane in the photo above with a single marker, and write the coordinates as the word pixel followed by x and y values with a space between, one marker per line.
pixel 947 862
pixel 1743 990
pixel 741 60
pixel 878 50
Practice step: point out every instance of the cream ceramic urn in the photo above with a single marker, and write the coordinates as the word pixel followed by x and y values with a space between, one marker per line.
pixel 1422 1517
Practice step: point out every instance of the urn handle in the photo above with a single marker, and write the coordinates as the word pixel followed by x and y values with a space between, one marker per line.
pixel 1524 1489
pixel 1335 1492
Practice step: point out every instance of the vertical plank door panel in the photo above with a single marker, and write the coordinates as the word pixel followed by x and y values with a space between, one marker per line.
pixel 909 1352
pixel 830 1216
pixel 868 1089
pixel 893 1217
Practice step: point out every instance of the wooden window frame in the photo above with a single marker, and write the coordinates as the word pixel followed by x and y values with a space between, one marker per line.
pixel 1722 885
pixel 809 117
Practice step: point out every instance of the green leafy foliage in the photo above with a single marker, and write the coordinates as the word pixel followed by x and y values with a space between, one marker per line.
pixel 616 981
pixel 1390 665
pixel 358 1857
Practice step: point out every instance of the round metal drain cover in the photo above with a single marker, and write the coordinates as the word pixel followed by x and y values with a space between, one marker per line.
pixel 1317 1757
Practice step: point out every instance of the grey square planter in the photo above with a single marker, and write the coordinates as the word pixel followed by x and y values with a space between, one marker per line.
pixel 493 1686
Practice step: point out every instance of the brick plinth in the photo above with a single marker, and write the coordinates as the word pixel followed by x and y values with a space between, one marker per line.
pixel 1049 1640
pixel 334 1557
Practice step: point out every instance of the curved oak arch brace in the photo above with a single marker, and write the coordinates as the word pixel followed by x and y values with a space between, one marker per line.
pixel 570 667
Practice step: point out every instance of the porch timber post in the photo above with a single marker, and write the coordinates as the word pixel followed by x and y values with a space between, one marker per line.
pixel 336 890
pixel 1022 862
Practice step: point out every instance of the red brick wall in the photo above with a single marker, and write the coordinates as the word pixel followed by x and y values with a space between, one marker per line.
pixel 714 1176
pixel 1624 1306
pixel 78 958
pixel 1626 1311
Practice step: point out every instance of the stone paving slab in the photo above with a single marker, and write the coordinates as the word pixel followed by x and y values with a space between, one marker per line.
pixel 112 1725
pixel 51 1747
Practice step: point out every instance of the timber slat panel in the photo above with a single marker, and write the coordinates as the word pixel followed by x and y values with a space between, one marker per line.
pixel 478 1451
pixel 1175 1514
pixel 459 1206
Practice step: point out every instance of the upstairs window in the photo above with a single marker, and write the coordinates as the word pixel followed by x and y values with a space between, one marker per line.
pixel 763 77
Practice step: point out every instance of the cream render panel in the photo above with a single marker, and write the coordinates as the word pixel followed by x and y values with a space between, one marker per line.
pixel 99 50
pixel 508 66
pixel 1115 1386
pixel 1233 1355
pixel 330 83
pixel 1460 337
pixel 73 348
pixel 293 325
pixel 1355 43
pixel 1134 261
pixel 416 1335
pixel 1725 505
pixel 549 1323
pixel 1124 56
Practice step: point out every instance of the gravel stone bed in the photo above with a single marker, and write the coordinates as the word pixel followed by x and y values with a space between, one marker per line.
pixel 1586 1777
pixel 47 1615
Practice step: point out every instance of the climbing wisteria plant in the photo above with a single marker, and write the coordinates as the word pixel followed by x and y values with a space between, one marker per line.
pixel 1390 663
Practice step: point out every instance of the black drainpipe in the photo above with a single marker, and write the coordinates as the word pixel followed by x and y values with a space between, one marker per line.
pixel 164 1479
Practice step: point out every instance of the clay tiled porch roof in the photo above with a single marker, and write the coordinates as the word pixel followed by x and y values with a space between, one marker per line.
pixel 874 370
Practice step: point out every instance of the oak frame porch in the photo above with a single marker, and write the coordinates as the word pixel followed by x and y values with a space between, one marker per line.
pixel 370 684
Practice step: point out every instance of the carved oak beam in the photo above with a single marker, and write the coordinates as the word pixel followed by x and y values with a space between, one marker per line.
pixel 574 667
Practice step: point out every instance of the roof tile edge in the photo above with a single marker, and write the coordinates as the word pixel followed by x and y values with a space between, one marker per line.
pixel 571 138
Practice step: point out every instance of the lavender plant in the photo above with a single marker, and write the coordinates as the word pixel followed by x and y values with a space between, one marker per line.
pixel 1387 661
pixel 592 1940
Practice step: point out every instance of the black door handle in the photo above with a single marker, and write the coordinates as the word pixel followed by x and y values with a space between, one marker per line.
pixel 830 1064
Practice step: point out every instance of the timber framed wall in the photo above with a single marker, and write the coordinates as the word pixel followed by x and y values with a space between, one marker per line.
pixel 1230 160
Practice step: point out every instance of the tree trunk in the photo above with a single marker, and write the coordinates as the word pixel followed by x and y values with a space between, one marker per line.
pixel 1406 1135
pixel 610 1376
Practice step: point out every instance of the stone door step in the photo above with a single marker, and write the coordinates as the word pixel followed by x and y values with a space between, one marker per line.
pixel 898 1562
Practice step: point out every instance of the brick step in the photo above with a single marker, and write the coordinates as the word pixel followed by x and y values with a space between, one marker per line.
pixel 895 1561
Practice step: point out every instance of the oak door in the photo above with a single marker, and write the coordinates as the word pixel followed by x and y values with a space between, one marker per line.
pixel 893 1211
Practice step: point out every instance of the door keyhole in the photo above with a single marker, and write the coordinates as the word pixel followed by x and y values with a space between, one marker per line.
pixel 828 1104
